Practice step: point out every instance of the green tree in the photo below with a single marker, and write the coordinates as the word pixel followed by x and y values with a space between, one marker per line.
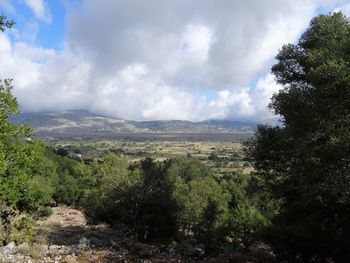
pixel 5 23
pixel 194 189
pixel 139 198
pixel 25 173
pixel 246 218
pixel 8 106
pixel 305 163
pixel 25 181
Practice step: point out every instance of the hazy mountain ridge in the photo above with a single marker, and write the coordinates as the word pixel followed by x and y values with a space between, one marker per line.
pixel 81 121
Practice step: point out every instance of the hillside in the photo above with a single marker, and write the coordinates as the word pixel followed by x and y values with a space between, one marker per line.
pixel 78 122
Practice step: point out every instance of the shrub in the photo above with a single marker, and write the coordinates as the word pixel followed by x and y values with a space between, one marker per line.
pixel 137 198
pixel 25 181
pixel 16 226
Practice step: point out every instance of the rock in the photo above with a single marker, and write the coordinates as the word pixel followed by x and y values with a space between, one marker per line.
pixel 45 249
pixel 11 245
pixel 55 250
pixel 70 258
pixel 23 249
pixel 9 249
pixel 84 243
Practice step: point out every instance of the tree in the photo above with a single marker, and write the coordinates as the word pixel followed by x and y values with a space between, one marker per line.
pixel 8 106
pixel 4 23
pixel 194 189
pixel 305 163
pixel 24 170
pixel 139 198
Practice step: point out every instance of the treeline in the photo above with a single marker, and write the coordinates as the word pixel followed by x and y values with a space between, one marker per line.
pixel 175 200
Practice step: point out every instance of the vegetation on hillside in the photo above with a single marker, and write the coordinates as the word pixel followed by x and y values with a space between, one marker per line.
pixel 297 199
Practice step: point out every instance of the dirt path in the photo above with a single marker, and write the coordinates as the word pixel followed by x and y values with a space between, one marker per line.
pixel 68 231
pixel 66 237
pixel 63 216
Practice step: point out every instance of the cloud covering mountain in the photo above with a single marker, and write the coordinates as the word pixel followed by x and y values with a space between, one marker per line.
pixel 142 60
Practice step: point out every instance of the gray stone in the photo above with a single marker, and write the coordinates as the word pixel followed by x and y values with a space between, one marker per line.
pixel 23 249
pixel 55 250
pixel 9 249
pixel 84 243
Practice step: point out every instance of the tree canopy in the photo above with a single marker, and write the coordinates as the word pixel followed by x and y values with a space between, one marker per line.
pixel 305 163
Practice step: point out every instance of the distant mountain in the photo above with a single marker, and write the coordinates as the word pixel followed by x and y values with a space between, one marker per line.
pixel 273 121
pixel 77 122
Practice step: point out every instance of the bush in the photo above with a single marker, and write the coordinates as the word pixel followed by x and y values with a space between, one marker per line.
pixel 16 226
pixel 25 182
pixel 176 199
pixel 67 183
pixel 193 187
pixel 137 198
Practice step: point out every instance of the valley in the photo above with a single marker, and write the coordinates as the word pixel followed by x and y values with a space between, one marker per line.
pixel 81 124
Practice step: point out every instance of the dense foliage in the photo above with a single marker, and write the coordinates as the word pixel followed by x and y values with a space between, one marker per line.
pixel 178 199
pixel 24 170
pixel 305 164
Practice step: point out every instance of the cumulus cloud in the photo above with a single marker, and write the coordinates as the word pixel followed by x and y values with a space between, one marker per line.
pixel 262 94
pixel 39 9
pixel 227 43
pixel 159 59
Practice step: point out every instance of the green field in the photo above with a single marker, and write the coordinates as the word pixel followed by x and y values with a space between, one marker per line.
pixel 224 158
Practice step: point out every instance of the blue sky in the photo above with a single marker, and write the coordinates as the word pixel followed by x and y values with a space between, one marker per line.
pixel 127 58
pixel 50 34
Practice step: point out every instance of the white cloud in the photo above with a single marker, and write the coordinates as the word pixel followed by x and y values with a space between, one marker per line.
pixel 195 42
pixel 39 9
pixel 262 94
pixel 344 8
pixel 156 59
pixel 228 42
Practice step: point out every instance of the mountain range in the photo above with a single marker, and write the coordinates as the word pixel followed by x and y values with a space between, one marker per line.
pixel 78 122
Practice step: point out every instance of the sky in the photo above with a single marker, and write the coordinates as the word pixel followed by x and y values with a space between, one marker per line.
pixel 151 60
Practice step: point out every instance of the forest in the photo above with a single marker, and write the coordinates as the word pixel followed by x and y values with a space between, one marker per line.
pixel 296 199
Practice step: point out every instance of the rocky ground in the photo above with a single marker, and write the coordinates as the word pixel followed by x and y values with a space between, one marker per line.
pixel 66 237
